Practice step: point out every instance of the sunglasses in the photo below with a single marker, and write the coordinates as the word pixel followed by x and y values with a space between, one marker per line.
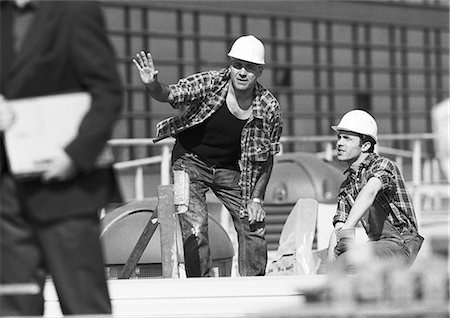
pixel 250 67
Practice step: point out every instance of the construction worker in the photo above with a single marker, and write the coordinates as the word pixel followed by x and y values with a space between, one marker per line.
pixel 225 141
pixel 374 193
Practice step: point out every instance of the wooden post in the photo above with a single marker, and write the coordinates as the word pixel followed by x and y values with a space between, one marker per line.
pixel 167 219
pixel 165 165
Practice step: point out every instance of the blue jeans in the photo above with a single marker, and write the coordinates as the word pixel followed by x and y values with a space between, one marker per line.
pixel 392 244
pixel 252 254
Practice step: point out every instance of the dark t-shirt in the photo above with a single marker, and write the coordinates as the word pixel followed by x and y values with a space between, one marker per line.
pixel 217 140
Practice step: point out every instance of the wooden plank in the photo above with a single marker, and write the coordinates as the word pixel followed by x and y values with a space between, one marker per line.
pixel 141 244
pixel 232 297
pixel 200 297
pixel 167 219
pixel 380 310
pixel 216 287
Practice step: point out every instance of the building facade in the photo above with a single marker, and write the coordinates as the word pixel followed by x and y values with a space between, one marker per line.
pixel 323 58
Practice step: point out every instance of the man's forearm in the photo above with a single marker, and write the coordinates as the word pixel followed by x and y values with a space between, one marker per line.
pixel 159 91
pixel 363 201
pixel 261 184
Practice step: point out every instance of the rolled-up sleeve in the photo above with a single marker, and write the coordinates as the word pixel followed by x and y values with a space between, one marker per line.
pixel 191 88
pixel 342 210
pixel 275 146
pixel 181 92
pixel 383 171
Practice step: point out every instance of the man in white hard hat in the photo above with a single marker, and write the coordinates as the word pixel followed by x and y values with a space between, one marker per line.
pixel 225 141
pixel 374 194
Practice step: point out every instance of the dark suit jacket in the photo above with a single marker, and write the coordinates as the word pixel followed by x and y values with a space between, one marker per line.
pixel 66 49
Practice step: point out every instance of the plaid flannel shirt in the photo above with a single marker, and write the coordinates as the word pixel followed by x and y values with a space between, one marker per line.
pixel 203 94
pixel 393 196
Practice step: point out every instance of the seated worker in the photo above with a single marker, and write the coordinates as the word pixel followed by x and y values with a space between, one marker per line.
pixel 374 193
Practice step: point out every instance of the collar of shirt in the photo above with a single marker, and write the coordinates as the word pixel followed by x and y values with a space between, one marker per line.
pixel 354 176
pixel 258 110
pixel 30 6
pixel 257 107
pixel 354 171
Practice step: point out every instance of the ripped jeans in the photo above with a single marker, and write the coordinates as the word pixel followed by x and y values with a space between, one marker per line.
pixel 252 253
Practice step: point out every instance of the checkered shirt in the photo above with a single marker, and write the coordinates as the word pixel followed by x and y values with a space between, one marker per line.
pixel 203 94
pixel 393 195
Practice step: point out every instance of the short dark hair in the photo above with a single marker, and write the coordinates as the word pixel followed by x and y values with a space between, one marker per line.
pixel 364 139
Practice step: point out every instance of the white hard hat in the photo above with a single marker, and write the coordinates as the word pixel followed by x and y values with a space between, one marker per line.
pixel 248 48
pixel 358 121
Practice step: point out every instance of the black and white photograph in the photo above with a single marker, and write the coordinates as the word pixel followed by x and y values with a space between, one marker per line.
pixel 224 159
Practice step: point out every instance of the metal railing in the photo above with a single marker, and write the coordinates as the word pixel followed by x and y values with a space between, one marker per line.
pixel 138 164
pixel 424 167
pixel 419 160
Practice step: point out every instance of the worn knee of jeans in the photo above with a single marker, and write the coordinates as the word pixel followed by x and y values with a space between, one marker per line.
pixel 192 257
pixel 413 247
pixel 196 253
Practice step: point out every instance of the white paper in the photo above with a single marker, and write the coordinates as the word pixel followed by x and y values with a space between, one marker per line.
pixel 42 127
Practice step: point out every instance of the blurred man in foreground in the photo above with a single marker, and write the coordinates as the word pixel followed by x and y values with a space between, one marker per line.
pixel 49 224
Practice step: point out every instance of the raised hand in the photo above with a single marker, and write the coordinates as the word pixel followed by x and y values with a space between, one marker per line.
pixel 146 68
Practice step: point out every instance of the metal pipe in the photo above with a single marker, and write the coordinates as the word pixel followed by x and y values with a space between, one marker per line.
pixel 139 183
pixel 416 162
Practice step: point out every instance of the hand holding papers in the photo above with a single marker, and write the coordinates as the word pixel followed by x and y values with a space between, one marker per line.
pixel 7 115
pixel 60 168
pixel 43 126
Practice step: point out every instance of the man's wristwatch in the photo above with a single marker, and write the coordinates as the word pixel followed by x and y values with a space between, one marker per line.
pixel 257 200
